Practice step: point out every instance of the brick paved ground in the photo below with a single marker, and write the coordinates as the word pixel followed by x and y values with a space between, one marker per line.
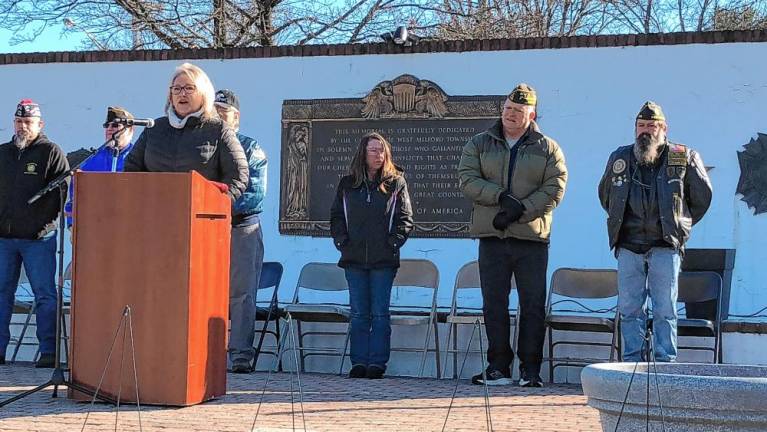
pixel 331 403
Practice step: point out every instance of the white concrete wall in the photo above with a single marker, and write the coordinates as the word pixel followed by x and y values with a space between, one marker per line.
pixel 713 97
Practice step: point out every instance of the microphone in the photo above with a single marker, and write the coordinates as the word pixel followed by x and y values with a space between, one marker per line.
pixel 135 122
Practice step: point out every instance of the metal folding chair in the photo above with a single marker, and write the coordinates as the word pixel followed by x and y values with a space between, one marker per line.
pixel 574 287
pixel 467 285
pixel 698 287
pixel 25 303
pixel 319 278
pixel 414 276
pixel 271 275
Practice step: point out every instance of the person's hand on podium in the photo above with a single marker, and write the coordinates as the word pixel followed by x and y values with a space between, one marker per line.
pixel 221 186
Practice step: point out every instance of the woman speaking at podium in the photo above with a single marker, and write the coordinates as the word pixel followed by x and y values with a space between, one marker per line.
pixel 192 137
pixel 370 220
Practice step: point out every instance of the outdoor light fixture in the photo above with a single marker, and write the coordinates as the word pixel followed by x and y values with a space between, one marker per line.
pixel 401 36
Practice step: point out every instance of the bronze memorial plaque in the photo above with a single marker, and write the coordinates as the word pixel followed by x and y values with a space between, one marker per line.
pixel 427 130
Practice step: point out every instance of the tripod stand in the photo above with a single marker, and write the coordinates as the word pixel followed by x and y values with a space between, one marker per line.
pixel 57 378
pixel 649 353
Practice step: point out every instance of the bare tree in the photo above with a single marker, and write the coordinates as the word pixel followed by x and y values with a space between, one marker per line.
pixel 462 19
pixel 745 17
pixel 239 23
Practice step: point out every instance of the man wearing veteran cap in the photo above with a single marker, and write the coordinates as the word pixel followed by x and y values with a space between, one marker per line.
pixel 247 248
pixel 654 191
pixel 28 231
pixel 112 157
pixel 515 176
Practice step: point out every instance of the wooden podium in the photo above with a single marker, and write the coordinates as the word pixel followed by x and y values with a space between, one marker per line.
pixel 158 242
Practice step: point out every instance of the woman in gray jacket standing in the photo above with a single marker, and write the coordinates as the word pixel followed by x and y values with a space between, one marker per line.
pixel 192 137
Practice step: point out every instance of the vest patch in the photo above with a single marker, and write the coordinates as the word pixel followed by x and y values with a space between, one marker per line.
pixel 30 168
pixel 677 155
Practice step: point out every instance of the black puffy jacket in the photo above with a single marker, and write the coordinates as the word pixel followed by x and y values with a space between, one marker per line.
pixel 23 173
pixel 208 147
pixel 369 226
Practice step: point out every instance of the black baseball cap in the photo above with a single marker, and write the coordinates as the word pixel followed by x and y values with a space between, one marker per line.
pixel 227 99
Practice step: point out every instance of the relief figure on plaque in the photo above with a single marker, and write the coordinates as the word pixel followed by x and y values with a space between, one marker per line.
pixel 298 173
pixel 405 97
pixel 377 103
pixel 431 101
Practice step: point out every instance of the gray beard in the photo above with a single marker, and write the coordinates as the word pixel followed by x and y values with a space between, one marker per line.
pixel 647 149
pixel 20 142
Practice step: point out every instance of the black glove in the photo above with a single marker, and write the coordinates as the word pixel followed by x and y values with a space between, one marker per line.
pixel 341 241
pixel 511 205
pixel 501 221
pixel 511 211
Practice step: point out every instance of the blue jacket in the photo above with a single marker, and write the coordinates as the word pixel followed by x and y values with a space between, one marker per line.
pixel 102 161
pixel 250 204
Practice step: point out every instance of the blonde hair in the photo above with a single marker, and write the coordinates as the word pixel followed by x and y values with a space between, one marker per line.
pixel 204 86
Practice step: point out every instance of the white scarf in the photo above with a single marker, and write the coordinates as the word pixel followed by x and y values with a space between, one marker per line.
pixel 177 122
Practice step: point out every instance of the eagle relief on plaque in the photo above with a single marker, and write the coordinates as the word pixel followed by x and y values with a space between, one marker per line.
pixel 427 129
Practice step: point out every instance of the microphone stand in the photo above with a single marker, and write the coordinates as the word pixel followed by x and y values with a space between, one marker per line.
pixel 58 378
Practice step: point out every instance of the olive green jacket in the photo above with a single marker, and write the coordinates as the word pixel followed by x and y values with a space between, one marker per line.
pixel 538 181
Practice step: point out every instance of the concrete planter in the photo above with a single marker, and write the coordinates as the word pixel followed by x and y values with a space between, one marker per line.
pixel 694 397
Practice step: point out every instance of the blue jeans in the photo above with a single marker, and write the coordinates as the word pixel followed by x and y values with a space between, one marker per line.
pixel 657 273
pixel 369 298
pixel 39 259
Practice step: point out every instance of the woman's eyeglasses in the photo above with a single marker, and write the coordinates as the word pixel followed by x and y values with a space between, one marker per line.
pixel 177 90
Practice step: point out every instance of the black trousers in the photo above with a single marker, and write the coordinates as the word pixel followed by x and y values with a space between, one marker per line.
pixel 499 260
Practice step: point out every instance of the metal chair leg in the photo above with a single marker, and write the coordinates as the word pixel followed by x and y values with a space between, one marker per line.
pixel 300 345
pixel 551 356
pixel 23 332
pixel 436 347
pixel 279 339
pixel 447 349
pixel 455 350
pixel 343 352
pixel 425 350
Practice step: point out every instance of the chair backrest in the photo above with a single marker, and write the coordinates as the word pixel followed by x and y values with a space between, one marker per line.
pixel 417 273
pixel 585 283
pixel 588 291
pixel 468 278
pixel 271 275
pixel 699 286
pixel 68 272
pixel 414 277
pixel 321 277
